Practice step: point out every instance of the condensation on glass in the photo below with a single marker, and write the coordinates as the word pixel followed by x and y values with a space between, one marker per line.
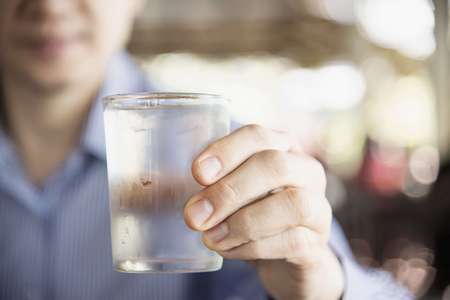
pixel 151 141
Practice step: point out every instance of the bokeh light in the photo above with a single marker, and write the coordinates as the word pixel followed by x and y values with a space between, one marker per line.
pixel 424 164
pixel 334 86
pixel 404 25
pixel 401 112
pixel 341 11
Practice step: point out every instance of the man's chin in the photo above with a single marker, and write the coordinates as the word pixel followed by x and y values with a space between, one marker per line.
pixel 50 77
pixel 47 82
pixel 45 72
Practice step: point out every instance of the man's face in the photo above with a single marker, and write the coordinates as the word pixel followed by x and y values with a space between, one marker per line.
pixel 54 42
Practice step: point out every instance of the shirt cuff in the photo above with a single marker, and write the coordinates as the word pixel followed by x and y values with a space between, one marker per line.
pixel 366 283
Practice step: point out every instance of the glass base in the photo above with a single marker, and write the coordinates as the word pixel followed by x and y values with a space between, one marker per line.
pixel 168 265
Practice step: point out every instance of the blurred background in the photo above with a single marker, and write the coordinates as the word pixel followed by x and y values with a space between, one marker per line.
pixel 364 86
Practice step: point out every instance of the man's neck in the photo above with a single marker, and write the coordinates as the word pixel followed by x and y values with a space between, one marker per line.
pixel 46 124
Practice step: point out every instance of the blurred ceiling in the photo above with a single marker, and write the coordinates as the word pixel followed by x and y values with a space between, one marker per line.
pixel 233 26
pixel 201 12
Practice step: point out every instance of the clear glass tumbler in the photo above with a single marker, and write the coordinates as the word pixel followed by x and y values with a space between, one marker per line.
pixel 151 141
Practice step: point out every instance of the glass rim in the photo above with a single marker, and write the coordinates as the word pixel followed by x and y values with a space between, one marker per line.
pixel 155 99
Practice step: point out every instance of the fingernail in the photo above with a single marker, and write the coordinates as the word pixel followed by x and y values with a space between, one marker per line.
pixel 218 233
pixel 210 167
pixel 199 212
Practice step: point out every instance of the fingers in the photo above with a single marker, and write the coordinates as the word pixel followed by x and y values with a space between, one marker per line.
pixel 264 199
pixel 226 154
pixel 261 173
pixel 275 214
pixel 300 244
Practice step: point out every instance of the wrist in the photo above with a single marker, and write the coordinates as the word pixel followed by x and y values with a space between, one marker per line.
pixel 329 278
pixel 320 280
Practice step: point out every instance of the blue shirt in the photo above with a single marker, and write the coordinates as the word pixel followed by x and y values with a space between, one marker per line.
pixel 55 240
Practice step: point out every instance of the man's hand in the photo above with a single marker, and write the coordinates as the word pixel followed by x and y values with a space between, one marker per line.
pixel 264 201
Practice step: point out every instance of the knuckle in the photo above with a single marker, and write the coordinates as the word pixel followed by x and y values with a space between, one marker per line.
pixel 327 218
pixel 258 130
pixel 318 173
pixel 261 134
pixel 297 204
pixel 256 250
pixel 294 195
pixel 319 169
pixel 277 162
pixel 328 212
pixel 226 192
pixel 245 225
pixel 295 242
pixel 299 242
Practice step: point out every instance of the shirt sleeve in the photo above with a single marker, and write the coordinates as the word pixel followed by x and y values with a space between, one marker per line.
pixel 360 282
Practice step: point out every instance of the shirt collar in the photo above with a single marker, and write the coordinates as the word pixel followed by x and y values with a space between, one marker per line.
pixel 122 76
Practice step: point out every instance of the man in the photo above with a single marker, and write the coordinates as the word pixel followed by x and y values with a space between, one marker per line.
pixel 57 59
